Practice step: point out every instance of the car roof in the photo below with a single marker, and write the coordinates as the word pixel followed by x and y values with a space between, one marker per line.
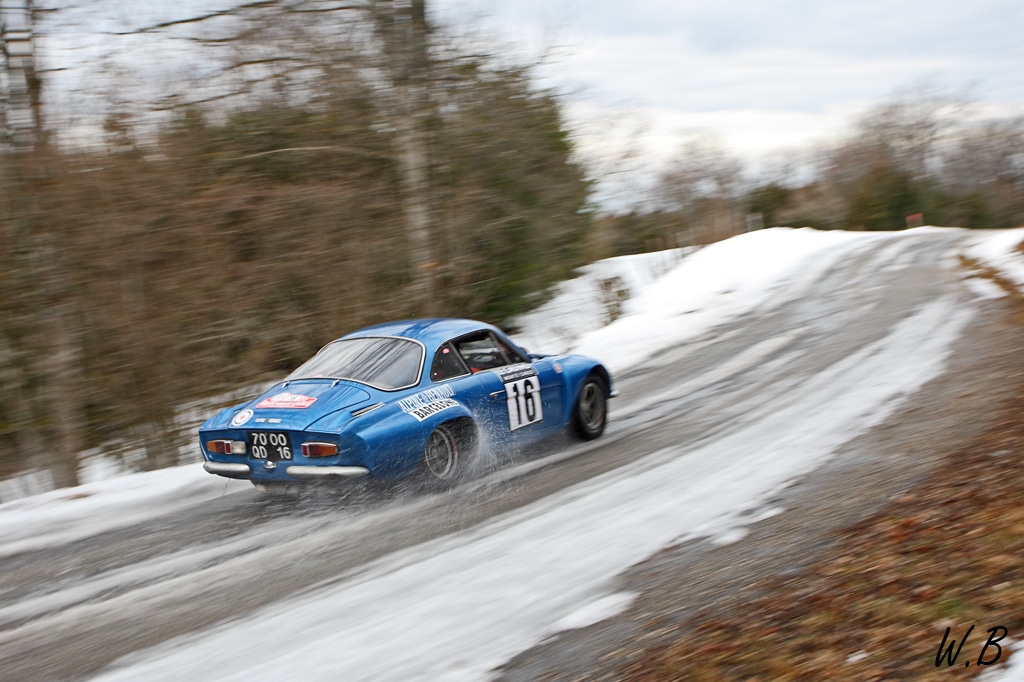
pixel 431 332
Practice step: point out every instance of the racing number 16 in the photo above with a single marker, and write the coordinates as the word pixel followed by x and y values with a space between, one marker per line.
pixel 523 402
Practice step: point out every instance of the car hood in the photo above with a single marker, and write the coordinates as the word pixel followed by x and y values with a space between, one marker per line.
pixel 298 404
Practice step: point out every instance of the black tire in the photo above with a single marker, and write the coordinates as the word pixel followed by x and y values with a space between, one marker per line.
pixel 442 456
pixel 590 415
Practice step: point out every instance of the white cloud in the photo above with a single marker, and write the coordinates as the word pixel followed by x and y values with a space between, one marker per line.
pixel 781 61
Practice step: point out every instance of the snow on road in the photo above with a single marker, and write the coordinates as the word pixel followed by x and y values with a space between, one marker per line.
pixel 455 607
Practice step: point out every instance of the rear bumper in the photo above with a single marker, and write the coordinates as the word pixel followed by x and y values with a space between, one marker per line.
pixel 239 470
pixel 297 471
pixel 231 470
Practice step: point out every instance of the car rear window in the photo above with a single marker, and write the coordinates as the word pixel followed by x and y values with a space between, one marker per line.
pixel 385 363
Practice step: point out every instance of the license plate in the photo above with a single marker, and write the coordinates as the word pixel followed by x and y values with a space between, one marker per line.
pixel 272 446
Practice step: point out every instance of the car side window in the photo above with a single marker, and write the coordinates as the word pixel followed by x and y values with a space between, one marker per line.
pixel 481 351
pixel 446 364
pixel 512 354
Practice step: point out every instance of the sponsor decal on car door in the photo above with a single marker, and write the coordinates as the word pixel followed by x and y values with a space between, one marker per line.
pixel 429 402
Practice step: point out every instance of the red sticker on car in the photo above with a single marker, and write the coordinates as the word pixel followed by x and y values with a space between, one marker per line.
pixel 287 400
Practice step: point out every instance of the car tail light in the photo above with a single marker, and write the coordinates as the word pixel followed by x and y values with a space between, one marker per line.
pixel 314 449
pixel 226 447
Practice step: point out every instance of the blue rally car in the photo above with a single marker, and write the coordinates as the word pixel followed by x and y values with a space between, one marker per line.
pixel 405 398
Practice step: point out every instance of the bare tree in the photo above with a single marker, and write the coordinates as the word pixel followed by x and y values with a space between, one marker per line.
pixel 909 125
pixel 54 410
pixel 283 41
pixel 703 184
pixel 983 172
pixel 22 113
pixel 403 28
pixel 992 152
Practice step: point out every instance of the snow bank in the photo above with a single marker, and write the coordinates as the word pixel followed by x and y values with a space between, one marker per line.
pixel 70 514
pixel 708 287
pixel 595 298
pixel 1001 250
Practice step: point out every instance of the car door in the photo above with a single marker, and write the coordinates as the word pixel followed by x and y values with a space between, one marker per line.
pixel 522 400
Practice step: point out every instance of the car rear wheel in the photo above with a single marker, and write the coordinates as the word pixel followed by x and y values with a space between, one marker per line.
pixel 441 455
pixel 591 412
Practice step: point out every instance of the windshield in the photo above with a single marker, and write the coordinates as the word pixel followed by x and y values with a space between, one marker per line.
pixel 385 363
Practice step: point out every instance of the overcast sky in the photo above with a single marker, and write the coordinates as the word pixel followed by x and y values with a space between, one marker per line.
pixel 762 75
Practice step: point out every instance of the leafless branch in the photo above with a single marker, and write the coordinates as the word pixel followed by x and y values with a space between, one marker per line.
pixel 347 150
pixel 259 4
